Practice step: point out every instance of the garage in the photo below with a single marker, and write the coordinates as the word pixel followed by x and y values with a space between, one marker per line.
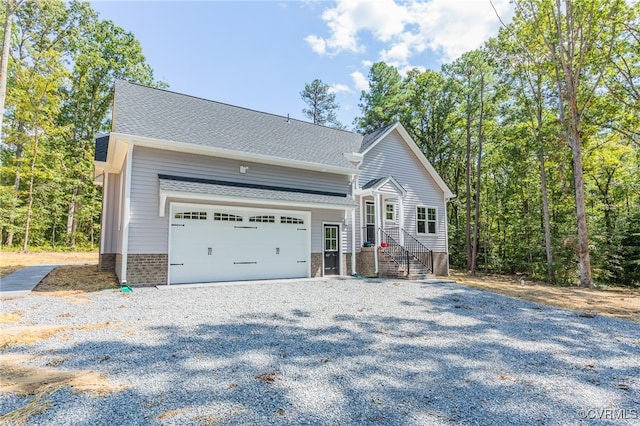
pixel 222 243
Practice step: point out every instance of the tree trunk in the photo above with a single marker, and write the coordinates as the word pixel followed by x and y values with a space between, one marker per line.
pixel 583 236
pixel 16 185
pixel 27 224
pixel 468 196
pixel 4 60
pixel 476 218
pixel 551 275
pixel 71 220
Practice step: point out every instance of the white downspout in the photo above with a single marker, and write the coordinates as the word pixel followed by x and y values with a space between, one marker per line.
pixel 446 235
pixel 401 220
pixel 353 241
pixel 376 207
pixel 354 183
pixel 127 205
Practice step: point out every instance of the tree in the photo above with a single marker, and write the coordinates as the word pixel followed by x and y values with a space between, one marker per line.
pixel 382 104
pixel 322 104
pixel 10 8
pixel 102 52
pixel 62 65
pixel 472 72
pixel 579 36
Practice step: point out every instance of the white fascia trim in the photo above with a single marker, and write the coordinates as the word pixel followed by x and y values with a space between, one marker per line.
pixel 169 145
pixel 99 168
pixel 370 192
pixel 425 163
pixel 190 197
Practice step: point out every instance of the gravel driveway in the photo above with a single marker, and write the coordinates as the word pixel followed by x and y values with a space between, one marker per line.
pixel 335 352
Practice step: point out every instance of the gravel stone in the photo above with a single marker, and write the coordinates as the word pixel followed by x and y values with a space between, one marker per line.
pixel 333 352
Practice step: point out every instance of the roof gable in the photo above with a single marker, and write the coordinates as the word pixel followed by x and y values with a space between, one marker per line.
pixel 163 115
pixel 380 135
pixel 385 184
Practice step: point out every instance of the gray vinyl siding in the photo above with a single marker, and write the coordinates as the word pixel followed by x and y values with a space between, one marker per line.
pixel 148 232
pixel 392 156
pixel 111 193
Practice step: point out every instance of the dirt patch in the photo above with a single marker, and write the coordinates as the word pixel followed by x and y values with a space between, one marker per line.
pixel 69 280
pixel 616 302
pixel 27 335
pixel 9 317
pixel 11 261
pixel 25 380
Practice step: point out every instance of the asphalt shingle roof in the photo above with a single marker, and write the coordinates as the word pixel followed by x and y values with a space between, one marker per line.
pixel 370 138
pixel 194 187
pixel 161 114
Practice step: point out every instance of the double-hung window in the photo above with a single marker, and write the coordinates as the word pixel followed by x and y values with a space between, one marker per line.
pixel 426 220
pixel 389 210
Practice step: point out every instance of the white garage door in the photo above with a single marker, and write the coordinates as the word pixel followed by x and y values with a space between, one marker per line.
pixel 217 243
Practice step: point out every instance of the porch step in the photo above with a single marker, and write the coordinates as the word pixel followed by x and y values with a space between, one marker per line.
pixel 389 268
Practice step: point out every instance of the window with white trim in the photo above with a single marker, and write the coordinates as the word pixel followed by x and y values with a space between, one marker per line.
pixel 389 212
pixel 263 219
pixel 426 218
pixel 288 219
pixel 191 215
pixel 227 217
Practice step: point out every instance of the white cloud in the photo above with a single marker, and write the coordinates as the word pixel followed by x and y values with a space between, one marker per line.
pixel 337 88
pixel 448 27
pixel 360 81
pixel 317 44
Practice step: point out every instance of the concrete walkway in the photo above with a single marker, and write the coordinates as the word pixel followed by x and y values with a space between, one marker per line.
pixel 21 282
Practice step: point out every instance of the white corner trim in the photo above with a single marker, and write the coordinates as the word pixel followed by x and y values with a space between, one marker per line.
pixel 105 186
pixel 127 206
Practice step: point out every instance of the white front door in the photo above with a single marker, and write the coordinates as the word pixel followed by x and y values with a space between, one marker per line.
pixel 218 243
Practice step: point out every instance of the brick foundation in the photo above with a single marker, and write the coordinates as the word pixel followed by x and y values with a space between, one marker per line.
pixel 441 264
pixel 107 262
pixel 316 265
pixel 366 261
pixel 118 266
pixel 147 270
pixel 346 264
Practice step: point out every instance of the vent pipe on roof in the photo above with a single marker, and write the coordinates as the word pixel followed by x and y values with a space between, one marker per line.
pixel 287 117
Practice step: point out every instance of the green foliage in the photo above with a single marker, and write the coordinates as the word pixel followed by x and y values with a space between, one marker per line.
pixel 525 141
pixel 63 63
pixel 322 104
pixel 381 105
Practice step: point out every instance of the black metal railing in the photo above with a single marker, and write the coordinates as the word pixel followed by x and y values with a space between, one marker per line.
pixel 411 247
pixel 395 251
pixel 418 250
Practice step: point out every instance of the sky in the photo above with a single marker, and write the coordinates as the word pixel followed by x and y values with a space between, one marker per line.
pixel 260 54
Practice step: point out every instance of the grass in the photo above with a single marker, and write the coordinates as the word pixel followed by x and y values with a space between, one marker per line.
pixel 11 261
pixel 618 302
